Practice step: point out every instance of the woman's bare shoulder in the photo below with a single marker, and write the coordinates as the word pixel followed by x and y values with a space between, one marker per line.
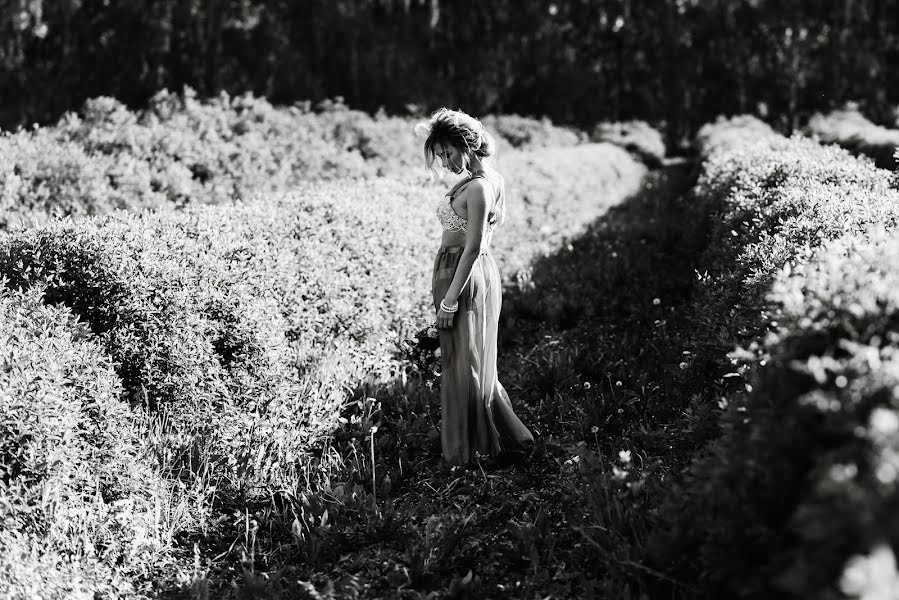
pixel 477 188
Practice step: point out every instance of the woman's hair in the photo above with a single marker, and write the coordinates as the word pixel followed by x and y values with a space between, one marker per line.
pixel 458 129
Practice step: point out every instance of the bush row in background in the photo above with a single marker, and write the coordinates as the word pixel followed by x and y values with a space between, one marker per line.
pixel 180 150
pixel 801 479
pixel 76 491
pixel 731 133
pixel 850 129
pixel 637 137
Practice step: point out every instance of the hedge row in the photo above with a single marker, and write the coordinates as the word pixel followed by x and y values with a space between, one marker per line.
pixel 75 489
pixel 851 130
pixel 731 133
pixel 179 150
pixel 636 136
pixel 796 497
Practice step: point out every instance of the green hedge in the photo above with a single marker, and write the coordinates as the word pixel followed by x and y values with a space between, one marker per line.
pixel 73 477
pixel 851 130
pixel 801 275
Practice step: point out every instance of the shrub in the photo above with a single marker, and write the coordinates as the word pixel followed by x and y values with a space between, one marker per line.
pixel 797 239
pixel 731 132
pixel 637 137
pixel 772 201
pixel 524 132
pixel 181 150
pixel 809 458
pixel 554 194
pixel 72 477
pixel 41 176
pixel 850 129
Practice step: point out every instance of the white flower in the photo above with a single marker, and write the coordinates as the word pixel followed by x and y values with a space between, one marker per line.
pixel 624 456
pixel 871 577
pixel 884 421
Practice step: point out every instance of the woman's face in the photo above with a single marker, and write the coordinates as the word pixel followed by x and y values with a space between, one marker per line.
pixel 450 157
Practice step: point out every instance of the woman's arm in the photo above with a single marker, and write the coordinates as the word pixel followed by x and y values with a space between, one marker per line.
pixel 476 199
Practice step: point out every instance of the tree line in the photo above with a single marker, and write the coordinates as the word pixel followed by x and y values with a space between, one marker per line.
pixel 675 63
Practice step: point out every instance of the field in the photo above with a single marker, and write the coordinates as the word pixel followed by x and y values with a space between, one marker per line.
pixel 204 392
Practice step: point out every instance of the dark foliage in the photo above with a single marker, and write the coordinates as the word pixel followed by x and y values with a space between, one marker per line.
pixel 681 62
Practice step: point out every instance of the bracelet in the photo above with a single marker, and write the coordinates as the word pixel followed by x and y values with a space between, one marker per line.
pixel 447 308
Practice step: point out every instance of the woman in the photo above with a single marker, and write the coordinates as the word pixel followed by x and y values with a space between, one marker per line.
pixel 477 416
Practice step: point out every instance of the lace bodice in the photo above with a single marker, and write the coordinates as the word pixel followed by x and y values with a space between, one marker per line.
pixel 447 214
pixel 448 217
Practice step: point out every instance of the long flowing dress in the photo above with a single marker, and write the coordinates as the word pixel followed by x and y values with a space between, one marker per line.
pixel 476 412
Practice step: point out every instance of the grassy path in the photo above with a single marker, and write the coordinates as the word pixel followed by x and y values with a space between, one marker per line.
pixel 592 356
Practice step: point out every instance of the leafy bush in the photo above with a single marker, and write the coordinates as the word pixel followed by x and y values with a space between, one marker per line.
pixel 637 137
pixel 180 150
pixel 798 278
pixel 772 201
pixel 850 129
pixel 72 477
pixel 731 132
pixel 41 176
pixel 809 458
pixel 554 194
pixel 525 132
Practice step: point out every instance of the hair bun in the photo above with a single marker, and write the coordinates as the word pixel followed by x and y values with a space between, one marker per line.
pixel 488 143
pixel 422 130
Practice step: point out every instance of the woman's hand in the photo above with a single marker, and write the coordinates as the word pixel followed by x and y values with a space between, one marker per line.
pixel 445 318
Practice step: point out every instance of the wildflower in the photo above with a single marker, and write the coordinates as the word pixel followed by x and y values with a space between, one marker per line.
pixel 624 456
pixel 618 384
pixel 656 301
pixel 594 429
pixel 587 385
